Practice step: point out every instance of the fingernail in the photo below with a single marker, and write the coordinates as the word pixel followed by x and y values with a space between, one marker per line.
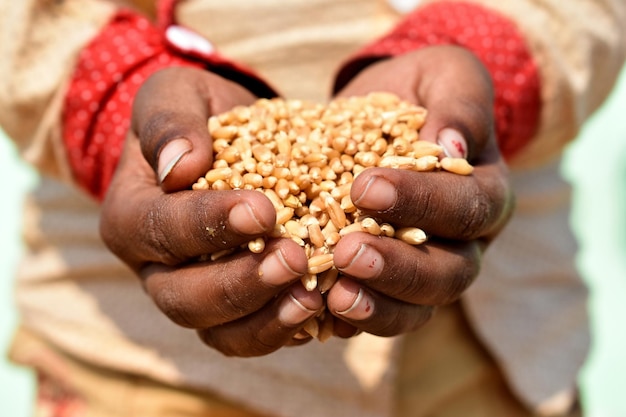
pixel 274 269
pixel 453 143
pixel 170 155
pixel 244 220
pixel 367 263
pixel 379 194
pixel 292 311
pixel 362 307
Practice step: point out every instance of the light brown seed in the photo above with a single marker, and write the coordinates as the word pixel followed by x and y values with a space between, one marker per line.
pixel 257 245
pixel 326 328
pixel 371 226
pixel 201 184
pixel 332 239
pixel 458 166
pixel 294 228
pixel 220 144
pixel 253 179
pixel 225 132
pixel 411 235
pixel 269 182
pixel 282 188
pixel 401 146
pixel 220 185
pixel 426 163
pixel 316 159
pixel 284 214
pixel 367 159
pixel 277 202
pixel 320 263
pixel 312 326
pixel 309 281
pixel 213 124
pixel 315 234
pixel 326 280
pixel 283 143
pixel 265 169
pixel 423 148
pixel 292 201
pixel 249 164
pixel 218 174
pixel 282 173
pixel 279 230
pixel 339 192
pixel 336 213
pixel 387 230
pixel 351 228
pixel 230 154
pixel 347 205
pixel 397 162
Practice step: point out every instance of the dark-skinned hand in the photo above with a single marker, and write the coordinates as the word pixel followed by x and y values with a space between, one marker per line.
pixel 243 305
pixel 249 304
pixel 390 287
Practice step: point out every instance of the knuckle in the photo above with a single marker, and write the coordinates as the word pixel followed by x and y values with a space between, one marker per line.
pixel 169 302
pixel 390 326
pixel 235 300
pixel 157 237
pixel 260 347
pixel 474 220
pixel 404 319
pixel 235 346
pixel 222 344
pixel 463 277
pixel 423 203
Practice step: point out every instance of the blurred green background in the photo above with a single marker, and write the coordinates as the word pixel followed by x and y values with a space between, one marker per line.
pixel 596 165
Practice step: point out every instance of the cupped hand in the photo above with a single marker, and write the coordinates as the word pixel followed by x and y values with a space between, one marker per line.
pixel 390 287
pixel 244 304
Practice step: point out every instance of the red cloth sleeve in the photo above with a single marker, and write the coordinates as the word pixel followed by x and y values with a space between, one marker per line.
pixel 110 70
pixel 493 38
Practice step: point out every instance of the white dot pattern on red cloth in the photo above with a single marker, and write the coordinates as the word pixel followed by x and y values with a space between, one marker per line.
pixel 110 71
pixel 493 38
pixel 98 103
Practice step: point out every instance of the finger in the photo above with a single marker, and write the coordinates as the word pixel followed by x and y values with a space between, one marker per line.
pixel 269 329
pixel 170 115
pixel 441 203
pixel 207 294
pixel 434 273
pixel 142 224
pixel 374 313
pixel 343 329
pixel 460 103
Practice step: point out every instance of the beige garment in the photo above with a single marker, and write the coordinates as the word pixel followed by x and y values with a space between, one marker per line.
pixel 446 373
pixel 528 304
pixel 101 315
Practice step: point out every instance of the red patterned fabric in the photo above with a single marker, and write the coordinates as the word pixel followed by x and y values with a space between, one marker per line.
pixel 55 399
pixel 493 38
pixel 165 12
pixel 110 70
